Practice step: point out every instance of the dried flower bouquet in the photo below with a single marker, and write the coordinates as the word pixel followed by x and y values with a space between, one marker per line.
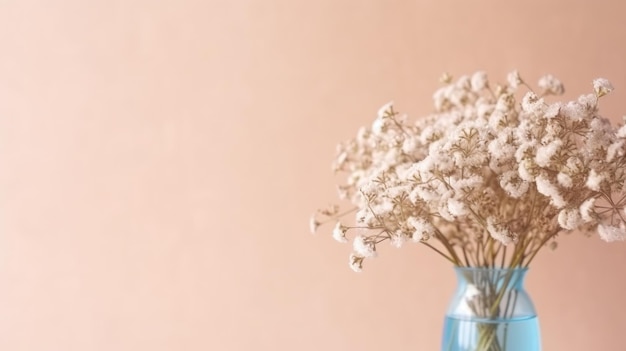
pixel 486 180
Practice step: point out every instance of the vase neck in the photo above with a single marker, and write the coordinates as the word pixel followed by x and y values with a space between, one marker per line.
pixel 507 278
pixel 490 294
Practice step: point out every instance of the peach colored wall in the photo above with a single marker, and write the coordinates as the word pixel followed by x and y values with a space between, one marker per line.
pixel 160 159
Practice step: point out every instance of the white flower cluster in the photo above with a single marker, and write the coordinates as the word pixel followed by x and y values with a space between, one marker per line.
pixel 485 171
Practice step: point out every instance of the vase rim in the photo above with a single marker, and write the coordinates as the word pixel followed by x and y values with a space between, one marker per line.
pixel 490 269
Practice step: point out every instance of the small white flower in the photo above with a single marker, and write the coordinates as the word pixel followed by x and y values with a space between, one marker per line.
pixel 363 247
pixel 586 210
pixel 398 191
pixel 500 232
pixel 602 87
pixel 545 153
pixel 379 126
pixel 398 239
pixel 313 224
pixel 545 187
pixel 551 85
pixel 501 148
pixel 621 132
pixel 574 111
pixel 457 208
pixel 444 212
pixel 363 135
pixel 514 79
pixel 497 119
pixel 439 98
pixel 575 165
pixel 369 188
pixel 356 263
pixel 588 101
pixel 594 180
pixel 531 103
pixel 446 78
pixel 339 233
pixel 383 207
pixel 422 229
pixel 513 184
pixel 611 233
pixel 386 110
pixel 615 149
pixel 409 145
pixel 570 218
pixel 525 170
pixel 564 180
pixel 467 184
pixel 463 83
pixel 552 110
pixel 366 217
pixel 525 149
pixel 479 81
pixel 484 110
pixel 424 192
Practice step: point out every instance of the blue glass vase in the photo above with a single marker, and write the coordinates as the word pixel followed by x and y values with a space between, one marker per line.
pixel 491 311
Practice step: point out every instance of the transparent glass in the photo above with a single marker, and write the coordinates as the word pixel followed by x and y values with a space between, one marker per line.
pixel 491 311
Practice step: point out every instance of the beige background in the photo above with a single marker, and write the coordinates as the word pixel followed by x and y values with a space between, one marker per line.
pixel 160 159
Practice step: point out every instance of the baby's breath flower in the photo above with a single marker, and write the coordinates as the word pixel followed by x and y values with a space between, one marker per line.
pixel 551 85
pixel 356 262
pixel 468 184
pixel 586 210
pixel 588 101
pixel 513 184
pixel 602 87
pixel 398 239
pixel 552 110
pixel 484 110
pixel 364 247
pixel 570 218
pixel 313 224
pixel 457 208
pixel 445 78
pixel 564 180
pixel 545 153
pixel 514 79
pixel 339 233
pixel 616 149
pixel 479 81
pixel 621 132
pixel 611 233
pixel 526 170
pixel 545 187
pixel 409 144
pixel 531 103
pixel 366 217
pixel 386 110
pixel 574 111
pixel 444 211
pixel 499 232
pixel 574 165
pixel 465 82
pixel 501 149
pixel 422 229
pixel 594 180
pixel 379 126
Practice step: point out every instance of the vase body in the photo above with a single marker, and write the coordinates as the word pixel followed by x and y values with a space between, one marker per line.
pixel 491 311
